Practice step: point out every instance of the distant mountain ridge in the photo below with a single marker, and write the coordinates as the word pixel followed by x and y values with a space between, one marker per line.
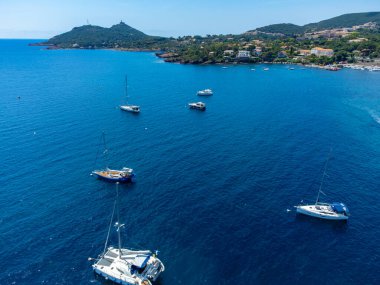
pixel 343 21
pixel 125 37
pixel 95 36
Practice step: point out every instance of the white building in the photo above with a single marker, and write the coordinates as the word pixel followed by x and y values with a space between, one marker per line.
pixel 322 51
pixel 243 54
pixel 228 52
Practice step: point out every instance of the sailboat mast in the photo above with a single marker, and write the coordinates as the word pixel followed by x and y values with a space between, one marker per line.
pixel 118 219
pixel 126 89
pixel 323 177
pixel 105 153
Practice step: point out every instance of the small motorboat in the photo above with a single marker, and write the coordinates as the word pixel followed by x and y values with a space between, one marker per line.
pixel 198 105
pixel 130 108
pixel 206 92
pixel 266 69
pixel 327 211
pixel 332 68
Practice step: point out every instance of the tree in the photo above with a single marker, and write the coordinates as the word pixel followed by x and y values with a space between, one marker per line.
pixel 341 56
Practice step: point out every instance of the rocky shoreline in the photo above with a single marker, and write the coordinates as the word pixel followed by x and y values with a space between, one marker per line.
pixel 55 47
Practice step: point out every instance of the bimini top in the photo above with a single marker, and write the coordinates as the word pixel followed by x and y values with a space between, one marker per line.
pixel 339 207
pixel 139 260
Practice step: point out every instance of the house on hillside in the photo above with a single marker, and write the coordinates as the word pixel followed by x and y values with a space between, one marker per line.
pixel 318 51
pixel 304 52
pixel 228 52
pixel 257 42
pixel 243 54
pixel 358 40
pixel 258 51
pixel 228 55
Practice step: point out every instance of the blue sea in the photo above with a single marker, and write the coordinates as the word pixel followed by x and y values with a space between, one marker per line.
pixel 215 190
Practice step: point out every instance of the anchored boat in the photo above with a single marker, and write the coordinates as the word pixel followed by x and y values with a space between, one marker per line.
pixel 123 265
pixel 198 105
pixel 327 211
pixel 123 175
pixel 205 92
pixel 129 108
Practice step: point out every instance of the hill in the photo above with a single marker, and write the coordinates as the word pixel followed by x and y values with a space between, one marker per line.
pixel 346 20
pixel 120 35
pixel 285 29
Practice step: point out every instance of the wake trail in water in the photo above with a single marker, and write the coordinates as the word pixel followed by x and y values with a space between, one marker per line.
pixel 374 116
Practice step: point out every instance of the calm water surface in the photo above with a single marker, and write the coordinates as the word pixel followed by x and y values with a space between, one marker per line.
pixel 214 188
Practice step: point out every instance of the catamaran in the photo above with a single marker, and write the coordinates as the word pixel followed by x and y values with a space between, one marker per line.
pixel 327 211
pixel 123 265
pixel 123 175
pixel 127 107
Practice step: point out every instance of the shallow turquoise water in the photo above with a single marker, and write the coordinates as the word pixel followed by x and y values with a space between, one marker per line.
pixel 213 187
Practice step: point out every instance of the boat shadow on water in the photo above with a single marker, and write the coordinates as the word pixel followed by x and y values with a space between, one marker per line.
pixel 102 280
pixel 110 186
pixel 338 225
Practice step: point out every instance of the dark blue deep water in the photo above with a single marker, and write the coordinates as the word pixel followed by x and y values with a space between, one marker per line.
pixel 213 188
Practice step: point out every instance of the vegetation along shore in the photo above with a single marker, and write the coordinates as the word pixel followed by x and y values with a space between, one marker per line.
pixel 351 40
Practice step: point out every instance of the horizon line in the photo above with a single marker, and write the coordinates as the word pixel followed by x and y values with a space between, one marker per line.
pixel 182 35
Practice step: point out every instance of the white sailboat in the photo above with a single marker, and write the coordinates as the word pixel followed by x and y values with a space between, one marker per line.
pixel 127 107
pixel 327 211
pixel 123 175
pixel 127 266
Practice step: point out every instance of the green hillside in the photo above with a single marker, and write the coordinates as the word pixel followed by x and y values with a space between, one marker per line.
pixel 120 35
pixel 286 29
pixel 347 20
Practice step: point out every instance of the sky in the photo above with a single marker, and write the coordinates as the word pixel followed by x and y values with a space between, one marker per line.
pixel 42 19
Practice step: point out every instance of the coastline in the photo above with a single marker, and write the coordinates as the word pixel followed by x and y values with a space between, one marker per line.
pixel 172 57
pixel 54 47
pixel 370 66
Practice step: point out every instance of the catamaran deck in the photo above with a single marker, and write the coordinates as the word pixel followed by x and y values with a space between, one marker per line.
pixel 134 267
